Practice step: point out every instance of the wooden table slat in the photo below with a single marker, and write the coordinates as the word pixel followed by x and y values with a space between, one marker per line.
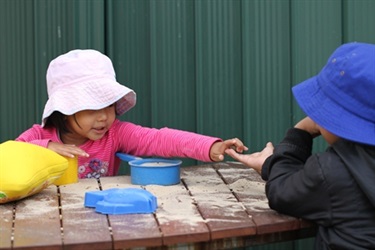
pixel 81 224
pixel 6 221
pixel 178 216
pixel 225 216
pixel 131 230
pixel 249 188
pixel 37 221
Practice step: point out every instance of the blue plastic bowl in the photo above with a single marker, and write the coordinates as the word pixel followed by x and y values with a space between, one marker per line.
pixel 155 171
pixel 152 171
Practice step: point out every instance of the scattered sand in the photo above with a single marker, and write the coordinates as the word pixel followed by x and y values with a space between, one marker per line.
pixel 175 203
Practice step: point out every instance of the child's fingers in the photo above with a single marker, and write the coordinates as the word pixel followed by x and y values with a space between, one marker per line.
pixel 235 144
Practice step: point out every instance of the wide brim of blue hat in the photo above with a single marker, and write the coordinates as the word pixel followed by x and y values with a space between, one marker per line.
pixel 331 115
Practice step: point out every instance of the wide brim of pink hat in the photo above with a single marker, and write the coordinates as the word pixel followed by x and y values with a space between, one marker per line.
pixel 93 95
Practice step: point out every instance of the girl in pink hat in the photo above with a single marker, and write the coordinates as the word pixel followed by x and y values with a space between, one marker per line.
pixel 79 119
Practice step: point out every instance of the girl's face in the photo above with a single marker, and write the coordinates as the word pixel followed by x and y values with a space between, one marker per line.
pixel 89 125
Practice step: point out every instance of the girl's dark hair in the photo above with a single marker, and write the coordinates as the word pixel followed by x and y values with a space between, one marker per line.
pixel 57 120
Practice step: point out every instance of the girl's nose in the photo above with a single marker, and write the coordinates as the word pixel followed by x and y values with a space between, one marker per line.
pixel 102 115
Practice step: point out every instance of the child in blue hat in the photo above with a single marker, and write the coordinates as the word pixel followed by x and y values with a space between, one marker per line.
pixel 336 188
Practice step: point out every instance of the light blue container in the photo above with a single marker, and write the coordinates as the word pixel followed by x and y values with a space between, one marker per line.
pixel 153 171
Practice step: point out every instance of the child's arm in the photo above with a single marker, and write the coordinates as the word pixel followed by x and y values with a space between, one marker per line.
pixel 37 135
pixel 48 138
pixel 167 142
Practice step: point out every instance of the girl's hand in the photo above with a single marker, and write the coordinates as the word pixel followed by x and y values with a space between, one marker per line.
pixel 218 148
pixel 255 160
pixel 67 150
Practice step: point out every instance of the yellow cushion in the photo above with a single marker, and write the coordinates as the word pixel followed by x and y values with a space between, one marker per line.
pixel 26 169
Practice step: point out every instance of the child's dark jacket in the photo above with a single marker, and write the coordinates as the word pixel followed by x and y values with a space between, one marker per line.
pixel 335 189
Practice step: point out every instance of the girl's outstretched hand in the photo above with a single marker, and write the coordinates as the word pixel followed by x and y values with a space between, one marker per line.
pixel 218 148
pixel 254 160
pixel 67 150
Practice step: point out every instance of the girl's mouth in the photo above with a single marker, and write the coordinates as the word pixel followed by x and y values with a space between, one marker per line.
pixel 100 130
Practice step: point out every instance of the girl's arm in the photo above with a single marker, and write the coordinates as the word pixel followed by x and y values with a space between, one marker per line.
pixel 164 142
pixel 48 138
pixel 37 135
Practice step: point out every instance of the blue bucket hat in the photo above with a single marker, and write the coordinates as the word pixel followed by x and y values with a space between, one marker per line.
pixel 341 98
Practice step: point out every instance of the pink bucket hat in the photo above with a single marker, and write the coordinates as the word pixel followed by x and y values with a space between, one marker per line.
pixel 84 80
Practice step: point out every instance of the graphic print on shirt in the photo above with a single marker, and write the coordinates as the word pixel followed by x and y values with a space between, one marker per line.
pixel 93 169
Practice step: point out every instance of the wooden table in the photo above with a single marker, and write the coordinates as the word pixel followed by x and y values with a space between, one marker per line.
pixel 216 206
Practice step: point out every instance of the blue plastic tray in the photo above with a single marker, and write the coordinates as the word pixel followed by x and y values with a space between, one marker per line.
pixel 121 201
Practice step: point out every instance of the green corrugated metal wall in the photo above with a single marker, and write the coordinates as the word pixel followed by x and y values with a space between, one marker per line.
pixel 218 67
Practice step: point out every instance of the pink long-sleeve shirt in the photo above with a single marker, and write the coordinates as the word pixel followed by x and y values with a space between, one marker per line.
pixel 131 139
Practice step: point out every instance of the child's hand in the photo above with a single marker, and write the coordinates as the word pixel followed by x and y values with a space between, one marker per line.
pixel 309 126
pixel 255 160
pixel 218 148
pixel 67 149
